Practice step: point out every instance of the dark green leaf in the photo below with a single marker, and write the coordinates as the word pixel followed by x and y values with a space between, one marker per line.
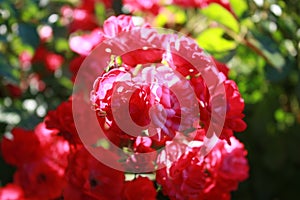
pixel 7 71
pixel 28 34
pixel 239 7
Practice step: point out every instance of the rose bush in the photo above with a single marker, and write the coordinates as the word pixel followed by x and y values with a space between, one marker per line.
pixel 58 165
pixel 43 46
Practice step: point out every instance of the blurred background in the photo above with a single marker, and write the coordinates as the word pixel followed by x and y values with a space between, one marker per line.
pixel 259 40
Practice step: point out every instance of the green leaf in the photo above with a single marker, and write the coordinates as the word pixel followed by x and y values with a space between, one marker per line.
pixel 179 14
pixel 275 75
pixel 61 45
pixel 102 143
pixel 270 50
pixel 28 34
pixel 224 57
pixel 66 82
pixel 212 40
pixel 219 14
pixel 161 20
pixel 238 6
pixel 100 12
pixel 276 59
pixel 7 71
pixel 30 12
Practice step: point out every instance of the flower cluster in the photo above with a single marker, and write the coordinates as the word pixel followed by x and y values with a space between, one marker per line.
pixel 154 85
pixel 150 100
pixel 51 167
pixel 41 158
pixel 190 176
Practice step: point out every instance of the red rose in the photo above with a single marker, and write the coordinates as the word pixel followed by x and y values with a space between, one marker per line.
pixel 144 154
pixel 142 56
pixel 115 25
pixel 87 178
pixel 217 193
pixel 145 95
pixel 52 61
pixel 143 144
pixel 62 120
pixel 233 166
pixel 19 147
pixel 234 113
pixel 55 148
pixel 83 17
pixel 75 65
pixel 186 178
pixel 11 192
pixel 100 98
pixel 78 18
pixel 140 5
pixel 235 103
pixel 14 91
pixel 190 3
pixel 32 145
pixel 203 3
pixel 40 180
pixel 84 44
pixel 221 67
pixel 140 188
pixel 41 158
pixel 211 177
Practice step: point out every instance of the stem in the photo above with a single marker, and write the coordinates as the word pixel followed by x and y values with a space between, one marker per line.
pixel 257 50
pixel 242 39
